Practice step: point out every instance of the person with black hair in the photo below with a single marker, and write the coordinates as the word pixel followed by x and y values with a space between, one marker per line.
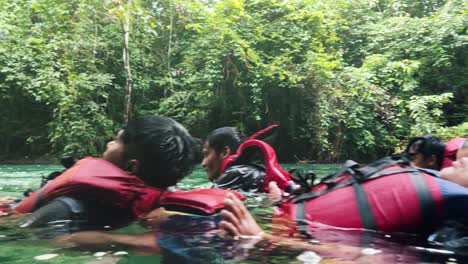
pixel 220 144
pixel 146 157
pixel 156 149
pixel 426 152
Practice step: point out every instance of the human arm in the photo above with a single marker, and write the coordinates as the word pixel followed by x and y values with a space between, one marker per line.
pixel 102 239
pixel 105 240
pixel 239 223
pixel 157 217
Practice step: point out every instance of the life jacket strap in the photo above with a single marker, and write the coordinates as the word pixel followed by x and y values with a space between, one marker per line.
pixel 347 167
pixel 262 132
pixel 426 201
pixel 370 172
pixel 302 225
pixel 365 211
pixel 39 199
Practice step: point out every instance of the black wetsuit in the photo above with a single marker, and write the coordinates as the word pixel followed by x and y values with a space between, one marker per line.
pixel 67 214
pixel 248 178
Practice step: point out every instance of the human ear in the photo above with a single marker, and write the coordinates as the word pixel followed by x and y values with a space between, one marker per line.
pixel 225 152
pixel 133 167
pixel 432 162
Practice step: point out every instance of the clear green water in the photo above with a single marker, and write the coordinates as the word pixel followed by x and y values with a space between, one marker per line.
pixel 22 246
pixel 14 179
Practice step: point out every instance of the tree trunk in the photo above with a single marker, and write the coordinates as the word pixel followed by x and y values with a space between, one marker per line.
pixel 126 61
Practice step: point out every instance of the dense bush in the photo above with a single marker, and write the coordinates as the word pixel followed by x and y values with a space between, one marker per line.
pixel 345 79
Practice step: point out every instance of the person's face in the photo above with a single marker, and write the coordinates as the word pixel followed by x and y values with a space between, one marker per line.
pixel 115 150
pixel 458 172
pixel 419 160
pixel 212 161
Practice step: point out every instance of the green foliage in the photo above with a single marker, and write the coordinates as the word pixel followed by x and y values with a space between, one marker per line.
pixel 364 118
pixel 57 66
pixel 345 79
pixel 447 133
pixel 410 62
pixel 426 113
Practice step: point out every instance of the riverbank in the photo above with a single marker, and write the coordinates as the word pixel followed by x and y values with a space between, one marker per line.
pixel 45 159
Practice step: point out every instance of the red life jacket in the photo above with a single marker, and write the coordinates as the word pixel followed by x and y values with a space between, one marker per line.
pixel 273 170
pixel 387 195
pixel 105 182
pixel 198 201
pixel 450 152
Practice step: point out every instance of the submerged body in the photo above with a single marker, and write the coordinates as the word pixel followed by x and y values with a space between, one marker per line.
pixel 146 157
pixel 98 194
pixel 391 198
pixel 249 165
pixel 204 244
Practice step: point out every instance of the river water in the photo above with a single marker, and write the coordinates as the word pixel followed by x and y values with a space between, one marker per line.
pixel 193 245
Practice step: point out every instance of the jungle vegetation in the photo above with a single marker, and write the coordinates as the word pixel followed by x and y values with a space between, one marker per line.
pixel 346 79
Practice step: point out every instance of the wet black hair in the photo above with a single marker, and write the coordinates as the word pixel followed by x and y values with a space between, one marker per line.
pixel 428 146
pixel 225 136
pixel 166 151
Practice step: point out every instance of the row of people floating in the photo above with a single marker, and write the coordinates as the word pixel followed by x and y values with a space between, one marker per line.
pixel 152 153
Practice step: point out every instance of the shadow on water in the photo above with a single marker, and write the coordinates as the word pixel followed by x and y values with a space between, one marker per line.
pixel 194 239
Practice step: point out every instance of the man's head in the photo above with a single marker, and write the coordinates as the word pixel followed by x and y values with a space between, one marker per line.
pixel 457 173
pixel 426 152
pixel 219 144
pixel 157 149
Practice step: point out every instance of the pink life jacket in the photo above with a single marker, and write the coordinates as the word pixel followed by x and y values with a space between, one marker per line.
pixel 273 170
pixel 103 181
pixel 450 153
pixel 387 195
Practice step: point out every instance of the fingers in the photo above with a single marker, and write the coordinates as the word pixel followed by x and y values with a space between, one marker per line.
pixel 230 217
pixel 241 209
pixel 237 220
pixel 230 195
pixel 229 228
pixel 274 193
pixel 235 206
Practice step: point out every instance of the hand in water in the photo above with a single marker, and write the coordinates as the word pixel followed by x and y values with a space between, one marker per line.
pixel 274 194
pixel 156 218
pixel 237 221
